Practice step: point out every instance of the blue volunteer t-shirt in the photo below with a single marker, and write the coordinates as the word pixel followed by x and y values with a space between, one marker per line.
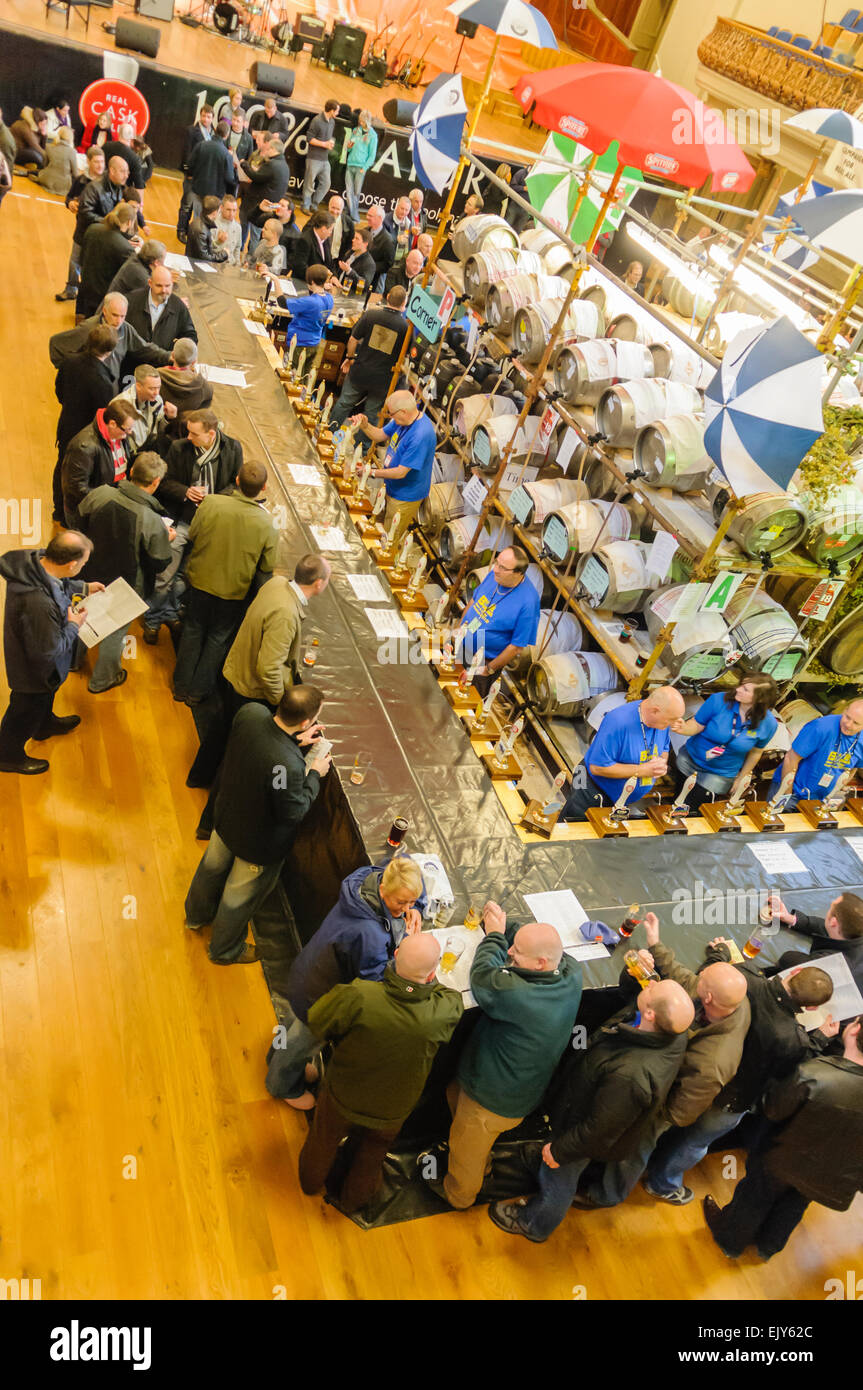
pixel 623 738
pixel 825 753
pixel 503 616
pixel 411 448
pixel 308 316
pixel 724 726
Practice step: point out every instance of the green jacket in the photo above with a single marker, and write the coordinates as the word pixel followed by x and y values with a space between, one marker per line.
pixel 264 659
pixel 386 1034
pixel 526 1022
pixel 232 538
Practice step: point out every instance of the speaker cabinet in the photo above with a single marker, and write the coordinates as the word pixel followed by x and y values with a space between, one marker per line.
pixel 375 72
pixel 467 28
pixel 140 38
pixel 155 9
pixel 398 112
pixel 346 48
pixel 266 77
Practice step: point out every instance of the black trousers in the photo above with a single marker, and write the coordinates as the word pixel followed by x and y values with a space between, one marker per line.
pixel 763 1211
pixel 329 1127
pixel 28 716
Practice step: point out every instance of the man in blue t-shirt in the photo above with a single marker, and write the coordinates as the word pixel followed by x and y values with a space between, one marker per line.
pixel 502 617
pixel 821 752
pixel 308 317
pixel 407 470
pixel 632 741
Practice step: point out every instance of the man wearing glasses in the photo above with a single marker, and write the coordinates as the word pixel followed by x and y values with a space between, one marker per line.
pixel 502 617
pixel 407 470
pixel 98 454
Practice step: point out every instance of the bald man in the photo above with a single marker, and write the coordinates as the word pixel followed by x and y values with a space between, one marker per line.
pixel 408 462
pixel 609 1095
pixel 632 741
pixel 713 1051
pixel 820 754
pixel 528 992
pixel 386 1033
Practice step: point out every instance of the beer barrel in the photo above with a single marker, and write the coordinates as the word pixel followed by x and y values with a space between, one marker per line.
pixel 484 232
pixel 624 410
pixel 795 714
pixel 455 537
pixel 835 528
pixel 619 569
pixel 679 362
pixel 765 633
pixel 628 327
pixel 474 410
pixel 489 267
pixel 555 256
pixel 489 440
pixel 685 301
pixel 559 685
pixel 671 453
pixel 578 525
pixel 583 371
pixel 443 504
pixel 698 645
pixel 512 294
pixel 548 495
pixel 599 478
pixel 534 324
pixel 558 631
pixel 843 650
pixel 765 522
pixel 596 295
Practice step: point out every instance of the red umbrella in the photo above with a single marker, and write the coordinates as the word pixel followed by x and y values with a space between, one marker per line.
pixel 662 128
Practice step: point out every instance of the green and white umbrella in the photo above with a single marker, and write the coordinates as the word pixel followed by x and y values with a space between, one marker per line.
pixel 553 190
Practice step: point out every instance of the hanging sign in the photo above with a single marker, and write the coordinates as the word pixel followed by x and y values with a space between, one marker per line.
pixel 822 599
pixel 121 99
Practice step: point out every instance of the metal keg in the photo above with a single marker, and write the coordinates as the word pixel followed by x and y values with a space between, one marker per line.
pixel 483 232
pixel 678 362
pixel 765 522
pixel 534 324
pixel 578 525
pixel 835 529
pixel 489 441
pixel 475 410
pixel 671 453
pixel 625 409
pixel 555 256
pixel 559 685
pixel 490 267
pixel 444 503
pixel 455 537
pixel 686 302
pixel 765 633
pixel 516 292
pixel 843 650
pixel 698 645
pixel 583 371
pixel 628 327
pixel 616 576
pixel 548 495
pixel 558 631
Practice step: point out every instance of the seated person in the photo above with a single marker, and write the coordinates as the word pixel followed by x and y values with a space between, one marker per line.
pixel 632 741
pixel 502 617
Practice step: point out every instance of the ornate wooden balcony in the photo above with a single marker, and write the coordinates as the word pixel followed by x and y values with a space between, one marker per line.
pixel 792 76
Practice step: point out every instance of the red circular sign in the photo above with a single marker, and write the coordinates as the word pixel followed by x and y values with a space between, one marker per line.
pixel 120 98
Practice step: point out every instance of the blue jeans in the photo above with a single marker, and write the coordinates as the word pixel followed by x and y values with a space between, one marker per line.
pixel 226 891
pixel 209 629
pixel 557 1187
pixel 680 1149
pixel 285 1079
pixel 316 182
pixel 164 605
pixel 354 180
pixel 707 781
pixel 617 1180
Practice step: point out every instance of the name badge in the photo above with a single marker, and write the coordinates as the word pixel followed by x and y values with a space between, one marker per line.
pixel 826 780
pixel 716 751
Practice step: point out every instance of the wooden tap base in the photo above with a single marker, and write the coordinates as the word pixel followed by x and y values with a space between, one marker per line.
pixel 411 603
pixel 359 506
pixel 535 821
pixel 713 812
pixel 767 821
pixel 597 818
pixel 664 823
pixel 510 773
pixel 854 805
pixel 491 728
pixel 811 810
pixel 461 699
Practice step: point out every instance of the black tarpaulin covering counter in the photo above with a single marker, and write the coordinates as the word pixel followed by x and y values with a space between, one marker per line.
pixel 423 766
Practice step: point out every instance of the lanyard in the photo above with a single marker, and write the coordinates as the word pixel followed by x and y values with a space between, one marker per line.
pixel 646 741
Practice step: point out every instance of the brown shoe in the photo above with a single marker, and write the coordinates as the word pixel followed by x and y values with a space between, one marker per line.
pixel 248 957
pixel 304 1102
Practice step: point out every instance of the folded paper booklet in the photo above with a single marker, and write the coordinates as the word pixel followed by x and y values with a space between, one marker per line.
pixel 319 749
pixel 116 606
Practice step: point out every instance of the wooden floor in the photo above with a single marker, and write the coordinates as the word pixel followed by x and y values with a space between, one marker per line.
pixel 141 1154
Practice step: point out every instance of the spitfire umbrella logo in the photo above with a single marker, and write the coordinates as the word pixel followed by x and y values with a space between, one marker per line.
pixel 571 125
pixel 662 163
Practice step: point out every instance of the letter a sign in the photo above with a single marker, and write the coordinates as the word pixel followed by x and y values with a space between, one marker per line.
pixel 721 592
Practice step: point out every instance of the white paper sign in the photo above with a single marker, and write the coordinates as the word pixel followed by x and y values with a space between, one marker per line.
pixel 207 269
pixel 109 609
pixel 284 286
pixel 567 448
pixel 306 474
pixel 591 950
pixel 222 376
pixel 330 538
pixel 777 857
pixel 474 494
pixel 661 553
pixel 176 262
pixel 563 910
pixel 515 474
pixel 435 877
pixel 368 587
pixel 726 585
pixel 253 326
pixel 386 623
pixel 689 602
pixel 857 845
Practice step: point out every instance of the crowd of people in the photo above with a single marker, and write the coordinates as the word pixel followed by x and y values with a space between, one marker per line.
pixel 149 488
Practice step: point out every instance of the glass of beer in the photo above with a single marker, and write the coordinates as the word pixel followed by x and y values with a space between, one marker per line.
pixel 311 653
pixel 769 910
pixel 362 763
pixel 638 970
pixel 397 832
pixel 452 952
pixel 472 918
pixel 630 921
pixel 752 947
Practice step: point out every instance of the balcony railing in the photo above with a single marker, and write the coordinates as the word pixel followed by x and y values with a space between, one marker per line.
pixel 792 76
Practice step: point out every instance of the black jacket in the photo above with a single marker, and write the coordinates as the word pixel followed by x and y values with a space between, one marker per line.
pixel 399 276
pixel 201 244
pixel 824 945
pixel 274 125
pixel 194 137
pixel 132 275
pixel 775 1044
pixel 83 386
pixel 87 464
pixel 258 809
pixel 98 199
pixel 174 322
pixel 307 252
pixel 819 1147
pixel 130 350
pixel 38 639
pixel 609 1094
pixel 382 248
pixel 137 178
pixel 269 181
pixel 181 459
pixel 103 251
pixel 244 149
pixel 129 540
pixel 362 268
pixel 211 169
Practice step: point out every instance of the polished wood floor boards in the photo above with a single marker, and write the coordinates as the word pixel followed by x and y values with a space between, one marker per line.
pixel 125 1051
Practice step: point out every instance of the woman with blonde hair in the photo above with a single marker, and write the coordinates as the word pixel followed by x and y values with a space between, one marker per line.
pixel 362 148
pixel 61 169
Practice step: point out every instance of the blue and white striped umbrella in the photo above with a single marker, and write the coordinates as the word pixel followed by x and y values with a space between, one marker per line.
pixel 790 253
pixel 834 222
pixel 829 124
pixel 510 19
pixel 762 410
pixel 435 140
